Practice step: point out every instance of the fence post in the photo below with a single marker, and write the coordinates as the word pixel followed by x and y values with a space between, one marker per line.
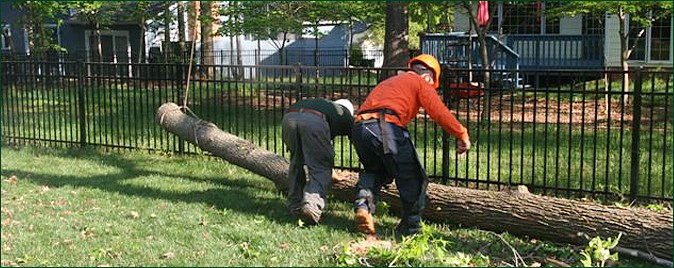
pixel 298 80
pixel 81 102
pixel 636 135
pixel 181 96
pixel 444 81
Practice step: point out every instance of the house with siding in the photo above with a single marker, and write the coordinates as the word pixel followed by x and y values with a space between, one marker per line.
pixel 329 48
pixel 119 40
pixel 542 42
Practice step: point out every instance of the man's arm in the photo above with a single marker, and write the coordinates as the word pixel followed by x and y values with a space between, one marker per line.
pixel 440 113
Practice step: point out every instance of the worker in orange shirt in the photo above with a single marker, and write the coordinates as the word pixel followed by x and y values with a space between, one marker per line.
pixel 383 145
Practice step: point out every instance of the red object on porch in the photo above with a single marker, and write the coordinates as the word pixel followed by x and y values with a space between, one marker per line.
pixel 466 90
pixel 482 13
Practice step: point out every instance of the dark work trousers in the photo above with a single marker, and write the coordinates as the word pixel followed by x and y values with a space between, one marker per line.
pixel 408 172
pixel 308 138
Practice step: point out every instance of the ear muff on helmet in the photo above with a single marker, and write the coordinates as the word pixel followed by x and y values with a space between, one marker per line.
pixel 431 63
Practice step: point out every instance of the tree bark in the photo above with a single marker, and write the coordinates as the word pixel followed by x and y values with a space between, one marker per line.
pixel 516 211
pixel 181 30
pixel 207 22
pixel 624 51
pixel 396 53
pixel 98 50
pixel 167 31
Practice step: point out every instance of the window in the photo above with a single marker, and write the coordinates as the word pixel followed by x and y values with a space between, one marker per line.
pixel 526 18
pixel 593 25
pixel 639 51
pixel 6 37
pixel 655 43
pixel 661 39
pixel 521 18
pixel 54 33
pixel 551 24
pixel 115 45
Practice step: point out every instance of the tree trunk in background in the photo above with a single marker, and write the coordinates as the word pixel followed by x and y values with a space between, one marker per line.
pixel 239 58
pixel 232 69
pixel 624 52
pixel 516 211
pixel 396 53
pixel 98 50
pixel 181 30
pixel 481 31
pixel 167 31
pixel 193 25
pixel 206 39
pixel 141 42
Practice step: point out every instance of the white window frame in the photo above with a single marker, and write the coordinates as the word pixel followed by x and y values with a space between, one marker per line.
pixel 58 32
pixel 649 45
pixel 5 43
pixel 113 33
pixel 648 34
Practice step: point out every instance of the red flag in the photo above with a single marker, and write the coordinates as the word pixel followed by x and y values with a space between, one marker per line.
pixel 482 13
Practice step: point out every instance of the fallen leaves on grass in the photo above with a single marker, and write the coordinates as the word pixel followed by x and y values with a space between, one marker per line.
pixel 361 248
pixel 7 212
pixel 6 222
pixel 60 202
pixel 12 179
pixel 87 232
pixel 168 255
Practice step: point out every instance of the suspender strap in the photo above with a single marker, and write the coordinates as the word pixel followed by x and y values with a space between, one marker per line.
pixel 384 131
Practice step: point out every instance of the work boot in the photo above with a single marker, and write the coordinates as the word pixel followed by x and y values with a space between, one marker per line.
pixel 364 221
pixel 309 215
pixel 405 229
pixel 296 213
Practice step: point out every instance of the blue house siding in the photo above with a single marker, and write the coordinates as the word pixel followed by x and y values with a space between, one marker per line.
pixel 11 16
pixel 74 40
pixel 71 34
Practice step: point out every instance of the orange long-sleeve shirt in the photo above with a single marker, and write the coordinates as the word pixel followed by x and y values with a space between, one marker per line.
pixel 404 94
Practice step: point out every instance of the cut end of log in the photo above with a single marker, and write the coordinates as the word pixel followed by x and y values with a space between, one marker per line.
pixel 163 110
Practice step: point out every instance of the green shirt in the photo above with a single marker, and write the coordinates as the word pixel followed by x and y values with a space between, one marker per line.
pixel 339 118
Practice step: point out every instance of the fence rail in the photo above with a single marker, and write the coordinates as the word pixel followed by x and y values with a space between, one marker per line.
pixel 552 51
pixel 323 56
pixel 566 133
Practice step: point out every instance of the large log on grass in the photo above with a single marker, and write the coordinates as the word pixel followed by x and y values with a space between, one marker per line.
pixel 516 211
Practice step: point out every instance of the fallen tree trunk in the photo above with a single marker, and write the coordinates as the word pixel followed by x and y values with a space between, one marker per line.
pixel 517 212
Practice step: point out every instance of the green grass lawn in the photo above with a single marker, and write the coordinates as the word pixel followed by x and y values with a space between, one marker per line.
pixel 84 207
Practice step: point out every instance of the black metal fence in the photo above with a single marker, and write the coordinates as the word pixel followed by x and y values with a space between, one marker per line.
pixel 324 56
pixel 564 133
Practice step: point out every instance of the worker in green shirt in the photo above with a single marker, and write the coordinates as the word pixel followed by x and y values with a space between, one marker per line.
pixel 309 127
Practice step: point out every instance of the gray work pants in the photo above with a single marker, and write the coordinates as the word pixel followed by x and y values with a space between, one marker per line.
pixel 308 138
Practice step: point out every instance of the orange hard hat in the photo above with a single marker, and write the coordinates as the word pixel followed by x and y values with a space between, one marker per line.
pixel 431 63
